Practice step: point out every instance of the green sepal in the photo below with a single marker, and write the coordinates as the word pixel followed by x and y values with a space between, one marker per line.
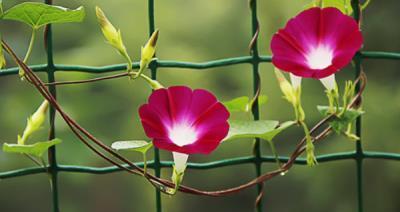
pixel 177 179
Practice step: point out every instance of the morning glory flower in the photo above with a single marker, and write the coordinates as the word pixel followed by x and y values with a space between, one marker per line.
pixel 184 121
pixel 316 43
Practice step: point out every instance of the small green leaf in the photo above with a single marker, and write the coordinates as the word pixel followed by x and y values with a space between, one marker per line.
pixel 36 149
pixel 243 103
pixel 340 124
pixel 39 14
pixel 237 105
pixel 342 5
pixel 265 129
pixel 135 145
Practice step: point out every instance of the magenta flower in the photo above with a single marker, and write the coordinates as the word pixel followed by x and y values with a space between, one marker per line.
pixel 184 121
pixel 316 43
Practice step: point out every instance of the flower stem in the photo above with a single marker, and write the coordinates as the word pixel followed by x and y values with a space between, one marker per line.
pixel 153 83
pixel 144 164
pixel 366 3
pixel 129 65
pixel 34 160
pixel 311 160
pixel 28 52
pixel 275 153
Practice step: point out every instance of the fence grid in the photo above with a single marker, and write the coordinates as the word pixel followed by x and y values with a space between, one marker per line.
pixel 257 159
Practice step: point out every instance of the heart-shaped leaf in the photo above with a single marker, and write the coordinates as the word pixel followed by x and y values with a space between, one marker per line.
pixel 135 145
pixel 264 129
pixel 37 14
pixel 36 149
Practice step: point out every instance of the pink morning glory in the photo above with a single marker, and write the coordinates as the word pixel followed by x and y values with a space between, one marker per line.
pixel 184 121
pixel 316 43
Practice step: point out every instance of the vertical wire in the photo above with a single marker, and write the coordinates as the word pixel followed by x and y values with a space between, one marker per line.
pixel 359 150
pixel 53 166
pixel 256 86
pixel 153 68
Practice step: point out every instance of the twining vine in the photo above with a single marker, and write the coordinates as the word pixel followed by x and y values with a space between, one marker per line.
pixel 183 130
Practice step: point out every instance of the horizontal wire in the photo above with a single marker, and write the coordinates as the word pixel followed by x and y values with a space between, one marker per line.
pixel 178 64
pixel 380 55
pixel 209 165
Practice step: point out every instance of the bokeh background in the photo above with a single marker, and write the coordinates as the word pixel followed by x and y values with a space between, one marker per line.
pixel 198 30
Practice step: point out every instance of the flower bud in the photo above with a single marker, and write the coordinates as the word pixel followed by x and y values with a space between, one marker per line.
pixel 147 52
pixel 112 35
pixel 287 89
pixel 34 122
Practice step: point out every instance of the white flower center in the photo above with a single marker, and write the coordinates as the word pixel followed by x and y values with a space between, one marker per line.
pixel 320 57
pixel 182 134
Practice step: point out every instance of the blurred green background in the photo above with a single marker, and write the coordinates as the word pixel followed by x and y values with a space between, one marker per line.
pixel 198 30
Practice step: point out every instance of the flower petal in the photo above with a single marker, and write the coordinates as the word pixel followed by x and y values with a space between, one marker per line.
pixel 180 98
pixel 152 123
pixel 180 161
pixel 329 82
pixel 295 80
pixel 316 43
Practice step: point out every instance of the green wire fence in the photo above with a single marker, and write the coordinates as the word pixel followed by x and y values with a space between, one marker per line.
pixel 254 59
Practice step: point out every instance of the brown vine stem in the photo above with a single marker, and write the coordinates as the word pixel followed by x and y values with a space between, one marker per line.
pixel 115 76
pixel 162 183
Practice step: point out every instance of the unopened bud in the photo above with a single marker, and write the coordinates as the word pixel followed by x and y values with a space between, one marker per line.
pixel 147 52
pixel 287 89
pixel 112 35
pixel 35 122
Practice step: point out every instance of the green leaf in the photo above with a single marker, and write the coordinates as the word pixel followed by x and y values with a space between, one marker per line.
pixel 339 124
pixel 237 105
pixel 264 129
pixel 1 8
pixel 270 135
pixel 39 14
pixel 342 5
pixel 262 99
pixel 36 149
pixel 243 103
pixel 135 145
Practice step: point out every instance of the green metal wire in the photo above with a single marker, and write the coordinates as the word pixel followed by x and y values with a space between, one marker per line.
pixel 256 159
pixel 334 157
pixel 359 151
pixel 179 64
pixel 256 87
pixel 153 68
pixel 52 157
